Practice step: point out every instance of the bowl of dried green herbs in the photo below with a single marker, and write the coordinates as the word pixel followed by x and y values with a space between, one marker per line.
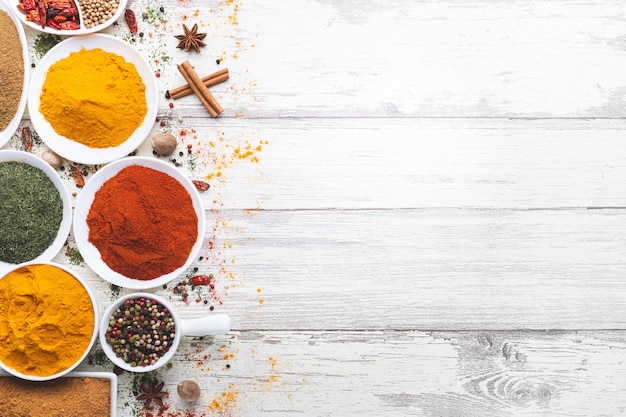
pixel 35 210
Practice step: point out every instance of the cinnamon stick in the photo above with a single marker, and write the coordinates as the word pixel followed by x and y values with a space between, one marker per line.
pixel 197 86
pixel 208 80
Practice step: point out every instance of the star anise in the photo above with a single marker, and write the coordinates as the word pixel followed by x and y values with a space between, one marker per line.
pixel 151 391
pixel 191 38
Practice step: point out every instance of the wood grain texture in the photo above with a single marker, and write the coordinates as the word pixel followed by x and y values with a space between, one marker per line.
pixel 420 163
pixel 404 373
pixel 373 59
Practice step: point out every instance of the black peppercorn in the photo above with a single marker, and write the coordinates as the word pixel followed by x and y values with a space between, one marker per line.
pixel 161 9
pixel 167 95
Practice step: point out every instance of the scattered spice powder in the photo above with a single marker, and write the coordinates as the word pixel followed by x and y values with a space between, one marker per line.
pixel 167 411
pixel 226 154
pixel 224 401
pixel 11 70
pixel 63 397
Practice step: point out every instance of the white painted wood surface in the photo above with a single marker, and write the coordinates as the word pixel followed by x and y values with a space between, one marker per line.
pixel 434 225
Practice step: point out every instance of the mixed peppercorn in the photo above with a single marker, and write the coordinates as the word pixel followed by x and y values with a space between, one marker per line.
pixel 141 331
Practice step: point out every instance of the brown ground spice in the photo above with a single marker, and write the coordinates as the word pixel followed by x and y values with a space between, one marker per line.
pixel 62 397
pixel 11 70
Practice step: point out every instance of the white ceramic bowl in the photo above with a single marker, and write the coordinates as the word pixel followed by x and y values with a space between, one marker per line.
pixel 91 254
pixel 70 149
pixel 214 324
pixel 7 133
pixel 66 221
pixel 94 335
pixel 82 31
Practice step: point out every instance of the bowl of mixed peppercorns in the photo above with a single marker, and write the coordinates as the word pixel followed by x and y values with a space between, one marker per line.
pixel 140 332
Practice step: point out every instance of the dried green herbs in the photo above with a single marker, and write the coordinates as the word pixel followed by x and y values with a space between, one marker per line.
pixel 31 211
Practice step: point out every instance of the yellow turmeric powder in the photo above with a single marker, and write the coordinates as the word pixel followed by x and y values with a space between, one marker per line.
pixel 46 320
pixel 93 97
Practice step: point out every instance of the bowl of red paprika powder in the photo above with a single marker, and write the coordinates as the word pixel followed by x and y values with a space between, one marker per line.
pixel 139 222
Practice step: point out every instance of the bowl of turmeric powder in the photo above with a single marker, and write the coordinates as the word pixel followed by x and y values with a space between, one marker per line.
pixel 48 321
pixel 93 99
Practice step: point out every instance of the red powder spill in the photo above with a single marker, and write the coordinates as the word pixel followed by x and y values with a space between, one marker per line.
pixel 166 411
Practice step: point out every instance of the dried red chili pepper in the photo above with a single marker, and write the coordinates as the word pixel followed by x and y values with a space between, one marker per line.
pixel 201 185
pixel 42 9
pixel 27 138
pixel 54 25
pixel 131 20
pixel 78 176
pixel 201 280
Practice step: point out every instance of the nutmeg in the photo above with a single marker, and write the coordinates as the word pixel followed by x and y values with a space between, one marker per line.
pixel 164 143
pixel 52 158
pixel 188 390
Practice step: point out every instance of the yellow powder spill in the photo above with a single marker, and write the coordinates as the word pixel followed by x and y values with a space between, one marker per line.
pixel 225 400
pixel 226 155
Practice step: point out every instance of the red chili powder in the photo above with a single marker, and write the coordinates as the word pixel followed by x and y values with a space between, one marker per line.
pixel 143 223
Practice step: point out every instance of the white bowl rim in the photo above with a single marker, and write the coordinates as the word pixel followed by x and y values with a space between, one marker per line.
pixel 68 148
pixel 7 133
pixel 66 221
pixel 90 253
pixel 96 310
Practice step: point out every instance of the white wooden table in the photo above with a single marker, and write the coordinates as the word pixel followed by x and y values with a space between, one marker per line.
pixel 433 224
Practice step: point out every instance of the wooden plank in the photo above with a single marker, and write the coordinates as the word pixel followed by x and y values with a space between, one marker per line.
pixel 406 373
pixel 430 269
pixel 408 163
pixel 424 59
